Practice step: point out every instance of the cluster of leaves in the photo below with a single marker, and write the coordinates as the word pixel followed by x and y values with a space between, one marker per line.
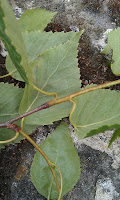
pixel 47 61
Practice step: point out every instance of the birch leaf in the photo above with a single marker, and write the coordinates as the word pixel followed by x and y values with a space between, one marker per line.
pixel 96 112
pixel 10 98
pixel 115 136
pixel 35 19
pixel 57 71
pixel 36 43
pixel 12 38
pixel 60 149
pixel 114 44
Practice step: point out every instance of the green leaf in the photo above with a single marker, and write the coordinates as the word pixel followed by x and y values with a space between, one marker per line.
pixel 114 44
pixel 115 136
pixel 43 117
pixel 35 19
pixel 36 43
pixel 96 112
pixel 12 38
pixel 12 69
pixel 10 98
pixel 57 71
pixel 60 149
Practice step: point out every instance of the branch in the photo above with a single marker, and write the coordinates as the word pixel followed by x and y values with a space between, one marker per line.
pixel 9 124
pixel 69 97
pixel 58 101
pixel 6 124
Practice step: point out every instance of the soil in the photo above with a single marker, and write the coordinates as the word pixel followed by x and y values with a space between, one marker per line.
pixel 114 7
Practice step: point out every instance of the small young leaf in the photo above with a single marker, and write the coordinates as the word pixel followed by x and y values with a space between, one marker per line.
pixel 57 71
pixel 35 19
pixel 114 44
pixel 60 149
pixel 10 98
pixel 115 136
pixel 12 38
pixel 96 112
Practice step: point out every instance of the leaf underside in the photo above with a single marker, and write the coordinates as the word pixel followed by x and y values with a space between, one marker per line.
pixel 35 20
pixel 56 71
pixel 10 98
pixel 37 43
pixel 60 149
pixel 96 112
pixel 54 65
pixel 114 44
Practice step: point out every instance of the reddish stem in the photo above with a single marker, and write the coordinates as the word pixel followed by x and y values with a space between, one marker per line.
pixel 6 124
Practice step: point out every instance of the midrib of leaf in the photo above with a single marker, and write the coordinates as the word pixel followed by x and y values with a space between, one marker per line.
pixel 58 152
pixel 37 95
pixel 10 114
pixel 55 163
pixel 72 70
pixel 46 79
pixel 54 71
pixel 59 80
pixel 97 105
pixel 81 108
pixel 33 102
pixel 8 101
pixel 57 69
pixel 84 126
pixel 95 108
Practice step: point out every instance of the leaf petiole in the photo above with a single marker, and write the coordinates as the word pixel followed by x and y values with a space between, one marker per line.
pixel 6 75
pixel 46 93
pixel 50 163
pixel 10 140
pixel 58 101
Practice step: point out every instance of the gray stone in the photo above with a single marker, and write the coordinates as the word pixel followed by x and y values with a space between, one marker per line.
pixel 3 51
pixel 105 190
